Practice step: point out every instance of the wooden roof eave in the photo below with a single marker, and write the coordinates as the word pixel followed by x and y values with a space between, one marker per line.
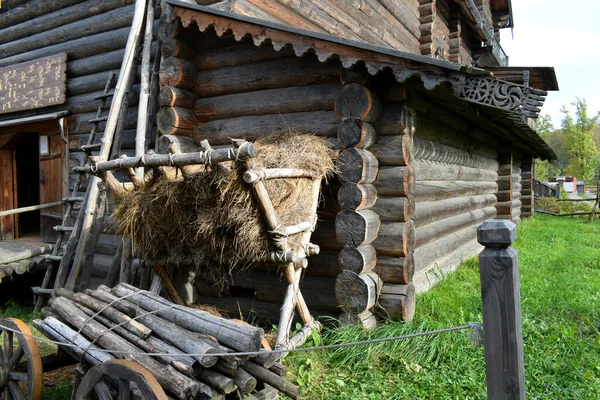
pixel 508 101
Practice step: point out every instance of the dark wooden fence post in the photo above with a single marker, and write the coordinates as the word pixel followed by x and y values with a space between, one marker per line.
pixel 503 338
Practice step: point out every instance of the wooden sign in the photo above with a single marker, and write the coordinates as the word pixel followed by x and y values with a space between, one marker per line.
pixel 33 84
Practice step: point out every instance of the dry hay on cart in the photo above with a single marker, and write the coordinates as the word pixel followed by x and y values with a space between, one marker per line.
pixel 212 218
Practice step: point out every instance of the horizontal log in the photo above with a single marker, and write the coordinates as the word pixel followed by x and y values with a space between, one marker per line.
pixel 176 120
pixel 179 160
pixel 178 72
pixel 358 102
pixel 395 238
pixel 396 269
pixel 357 196
pixel 238 54
pixel 176 97
pixel 262 75
pixel 446 263
pixel 438 190
pixel 426 256
pixel 398 301
pixel 431 211
pixel 108 21
pixel 235 336
pixel 428 150
pixel 177 47
pixel 322 123
pixel 358 260
pixel 357 293
pixel 393 150
pixel 394 208
pixel 366 320
pixel 45 22
pixel 505 207
pixel 325 237
pixel 264 375
pixel 395 119
pixel 26 12
pixel 79 123
pixel 355 74
pixel 78 48
pixel 56 330
pixel 357 166
pixel 431 170
pixel 395 181
pixel 271 101
pixel 353 132
pixel 110 60
pixel 431 232
pixel 356 228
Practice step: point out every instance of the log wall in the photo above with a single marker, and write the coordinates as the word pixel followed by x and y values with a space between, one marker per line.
pixel 456 178
pixel 217 89
pixel 527 195
pixel 93 33
pixel 389 23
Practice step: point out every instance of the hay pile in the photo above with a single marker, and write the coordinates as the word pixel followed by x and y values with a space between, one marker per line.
pixel 211 217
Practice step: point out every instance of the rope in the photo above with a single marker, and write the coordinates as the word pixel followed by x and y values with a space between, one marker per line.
pixel 472 326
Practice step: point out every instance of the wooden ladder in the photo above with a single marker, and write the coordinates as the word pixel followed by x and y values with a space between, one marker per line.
pixel 71 200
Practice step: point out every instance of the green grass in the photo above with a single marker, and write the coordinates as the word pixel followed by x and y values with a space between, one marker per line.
pixel 559 261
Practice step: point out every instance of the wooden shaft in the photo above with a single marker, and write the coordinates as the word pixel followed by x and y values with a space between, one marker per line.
pixel 395 238
pixel 353 132
pixel 393 150
pixel 264 375
pixel 394 208
pixel 21 210
pixel 251 176
pixel 398 301
pixel 161 271
pixel 357 166
pixel 175 97
pixel 158 160
pixel 357 102
pixel 395 181
pixel 357 196
pixel 357 293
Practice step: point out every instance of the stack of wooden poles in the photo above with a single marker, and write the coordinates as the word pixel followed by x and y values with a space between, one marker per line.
pixel 129 322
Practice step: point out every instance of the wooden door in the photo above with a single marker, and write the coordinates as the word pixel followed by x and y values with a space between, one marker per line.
pixel 8 199
pixel 53 179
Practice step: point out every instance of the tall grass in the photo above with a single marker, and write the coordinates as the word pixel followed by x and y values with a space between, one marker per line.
pixel 559 261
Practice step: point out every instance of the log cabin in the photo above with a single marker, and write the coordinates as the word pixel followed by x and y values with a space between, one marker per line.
pixel 435 133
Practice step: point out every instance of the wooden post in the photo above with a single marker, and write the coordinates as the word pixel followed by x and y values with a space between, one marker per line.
pixel 499 271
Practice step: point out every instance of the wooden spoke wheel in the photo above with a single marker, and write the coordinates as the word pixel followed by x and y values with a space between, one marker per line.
pixel 119 379
pixel 18 384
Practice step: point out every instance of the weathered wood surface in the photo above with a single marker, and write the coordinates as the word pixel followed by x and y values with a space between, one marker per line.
pixel 356 293
pixel 429 233
pixel 396 269
pixel 322 123
pixel 393 150
pixel 355 228
pixel 271 101
pixel 170 379
pixel 501 308
pixel 357 166
pixel 238 337
pixel 396 209
pixel 357 196
pixel 427 255
pixel 357 102
pixel 395 181
pixel 12 252
pixel 25 12
pixel 176 120
pixel 395 238
pixel 264 75
pixel 176 97
pixel 353 132
pixel 237 54
pixel 178 73
pixel 398 301
pixel 431 170
pixel 433 151
pixel 431 211
pixel 440 190
pixel 358 260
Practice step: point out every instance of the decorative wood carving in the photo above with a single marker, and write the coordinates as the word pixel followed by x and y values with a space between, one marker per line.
pixel 33 84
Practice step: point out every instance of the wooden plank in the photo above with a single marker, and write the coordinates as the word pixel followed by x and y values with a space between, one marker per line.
pixel 501 309
pixel 8 200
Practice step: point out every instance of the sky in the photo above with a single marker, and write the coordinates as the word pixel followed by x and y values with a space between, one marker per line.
pixel 564 35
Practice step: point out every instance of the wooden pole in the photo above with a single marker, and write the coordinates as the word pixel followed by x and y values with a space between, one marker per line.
pixel 142 123
pixel 30 208
pixel 501 303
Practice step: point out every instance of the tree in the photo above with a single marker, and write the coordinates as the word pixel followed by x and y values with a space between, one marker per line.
pixel 579 141
pixel 545 168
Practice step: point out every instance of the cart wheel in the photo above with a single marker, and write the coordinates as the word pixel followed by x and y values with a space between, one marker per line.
pixel 16 384
pixel 119 379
